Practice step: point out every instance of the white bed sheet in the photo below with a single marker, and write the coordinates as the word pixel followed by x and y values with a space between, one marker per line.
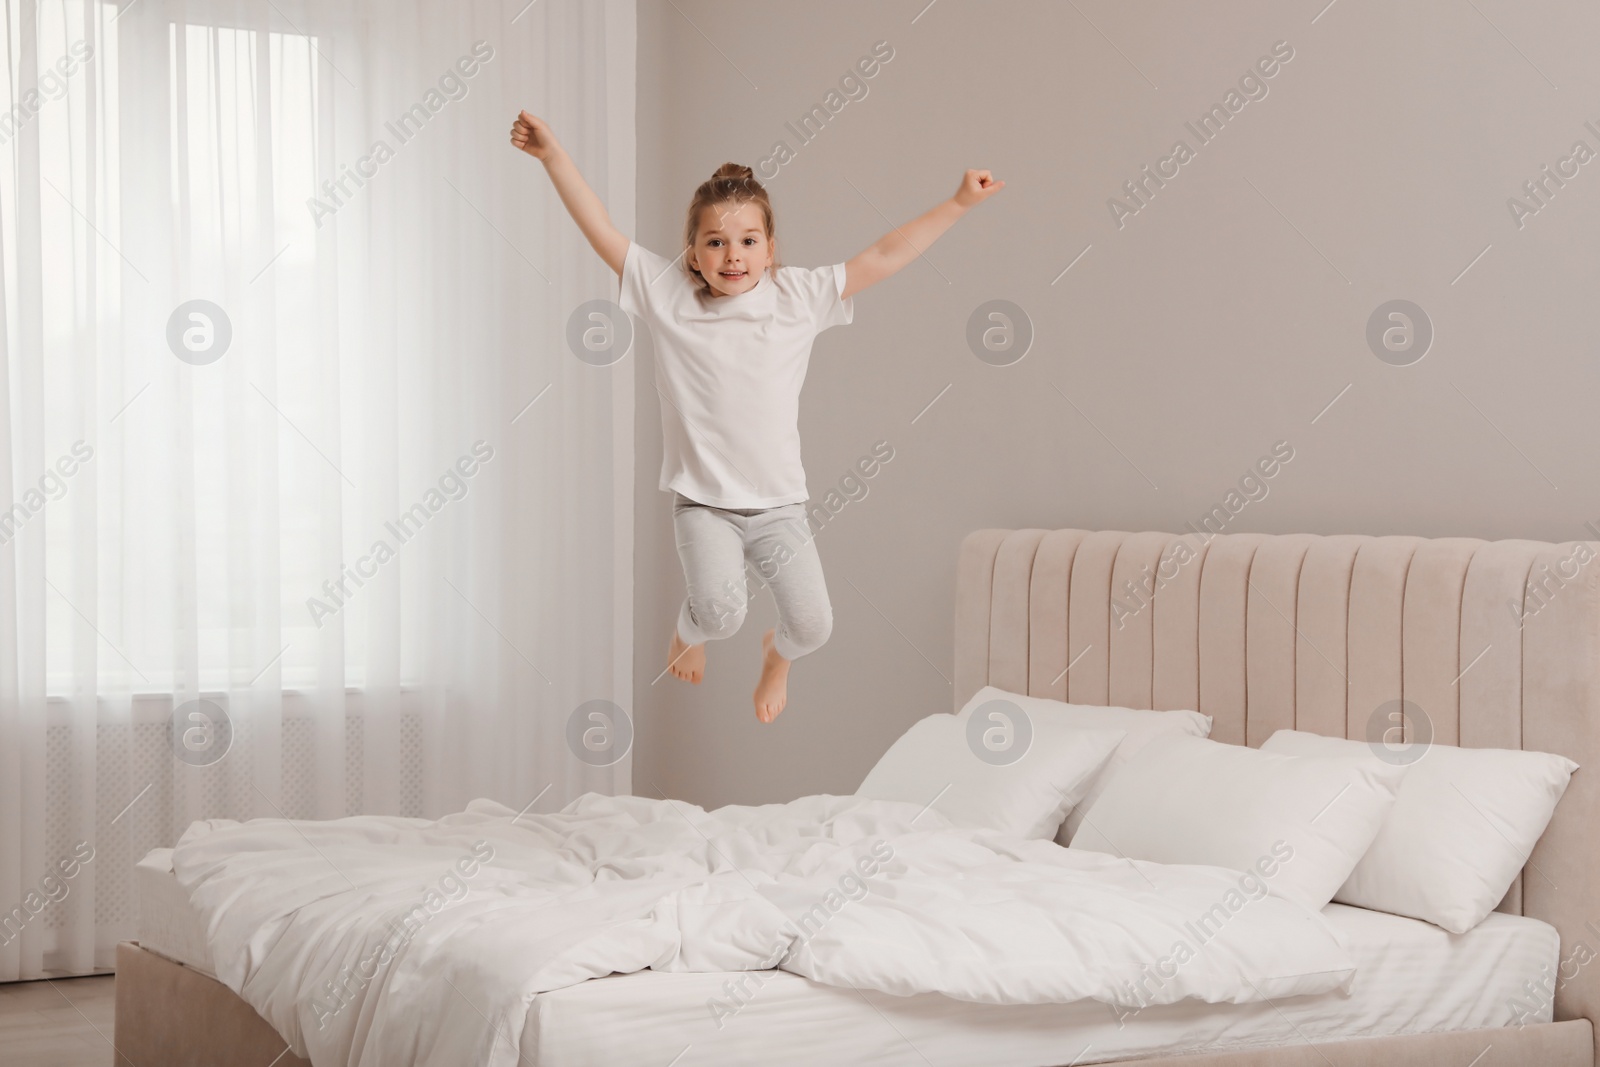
pixel 1412 977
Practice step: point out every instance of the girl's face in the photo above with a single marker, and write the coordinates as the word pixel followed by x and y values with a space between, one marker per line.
pixel 731 249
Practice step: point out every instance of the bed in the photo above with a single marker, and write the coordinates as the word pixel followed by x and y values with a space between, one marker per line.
pixel 1444 623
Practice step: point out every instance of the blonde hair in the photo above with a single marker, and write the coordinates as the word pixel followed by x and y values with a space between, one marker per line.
pixel 733 183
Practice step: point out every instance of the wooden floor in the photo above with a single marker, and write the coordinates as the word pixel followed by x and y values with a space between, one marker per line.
pixel 60 1022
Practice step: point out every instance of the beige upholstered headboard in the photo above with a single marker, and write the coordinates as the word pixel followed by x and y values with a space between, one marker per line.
pixel 1496 642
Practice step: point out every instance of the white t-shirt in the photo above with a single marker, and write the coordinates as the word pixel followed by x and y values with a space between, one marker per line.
pixel 729 371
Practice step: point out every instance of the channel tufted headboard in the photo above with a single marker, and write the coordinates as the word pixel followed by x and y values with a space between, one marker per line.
pixel 1488 643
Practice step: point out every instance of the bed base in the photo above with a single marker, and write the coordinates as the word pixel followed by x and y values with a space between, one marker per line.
pixel 1564 1044
pixel 173 1015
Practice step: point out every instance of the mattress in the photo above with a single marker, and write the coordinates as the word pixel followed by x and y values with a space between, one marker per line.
pixel 1412 977
pixel 166 925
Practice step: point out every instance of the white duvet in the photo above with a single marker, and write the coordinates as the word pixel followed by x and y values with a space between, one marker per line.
pixel 387 942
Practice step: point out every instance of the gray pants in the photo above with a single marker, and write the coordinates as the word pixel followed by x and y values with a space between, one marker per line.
pixel 715 544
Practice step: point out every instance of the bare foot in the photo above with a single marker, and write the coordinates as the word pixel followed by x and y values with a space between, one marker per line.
pixel 772 691
pixel 686 661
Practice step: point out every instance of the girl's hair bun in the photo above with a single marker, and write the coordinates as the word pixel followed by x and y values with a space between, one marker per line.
pixel 734 170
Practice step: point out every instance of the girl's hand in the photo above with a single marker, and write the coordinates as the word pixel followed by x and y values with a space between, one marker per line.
pixel 533 136
pixel 976 187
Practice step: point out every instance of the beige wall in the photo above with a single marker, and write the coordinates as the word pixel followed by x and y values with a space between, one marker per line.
pixel 1218 320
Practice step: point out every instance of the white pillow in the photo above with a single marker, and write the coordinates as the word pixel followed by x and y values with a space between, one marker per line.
pixel 1300 822
pixel 1140 728
pixel 1462 828
pixel 1008 774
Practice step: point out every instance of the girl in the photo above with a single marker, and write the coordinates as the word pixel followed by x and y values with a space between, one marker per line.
pixel 733 331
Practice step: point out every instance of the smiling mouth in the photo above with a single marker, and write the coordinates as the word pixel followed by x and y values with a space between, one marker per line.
pixel 733 275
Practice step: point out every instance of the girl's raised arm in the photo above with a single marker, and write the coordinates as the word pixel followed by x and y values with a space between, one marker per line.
pixel 904 243
pixel 533 136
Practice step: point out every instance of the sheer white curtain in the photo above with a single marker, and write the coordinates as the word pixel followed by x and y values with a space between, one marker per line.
pixel 309 508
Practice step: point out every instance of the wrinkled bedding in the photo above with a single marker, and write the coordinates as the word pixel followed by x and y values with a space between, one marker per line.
pixel 387 941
